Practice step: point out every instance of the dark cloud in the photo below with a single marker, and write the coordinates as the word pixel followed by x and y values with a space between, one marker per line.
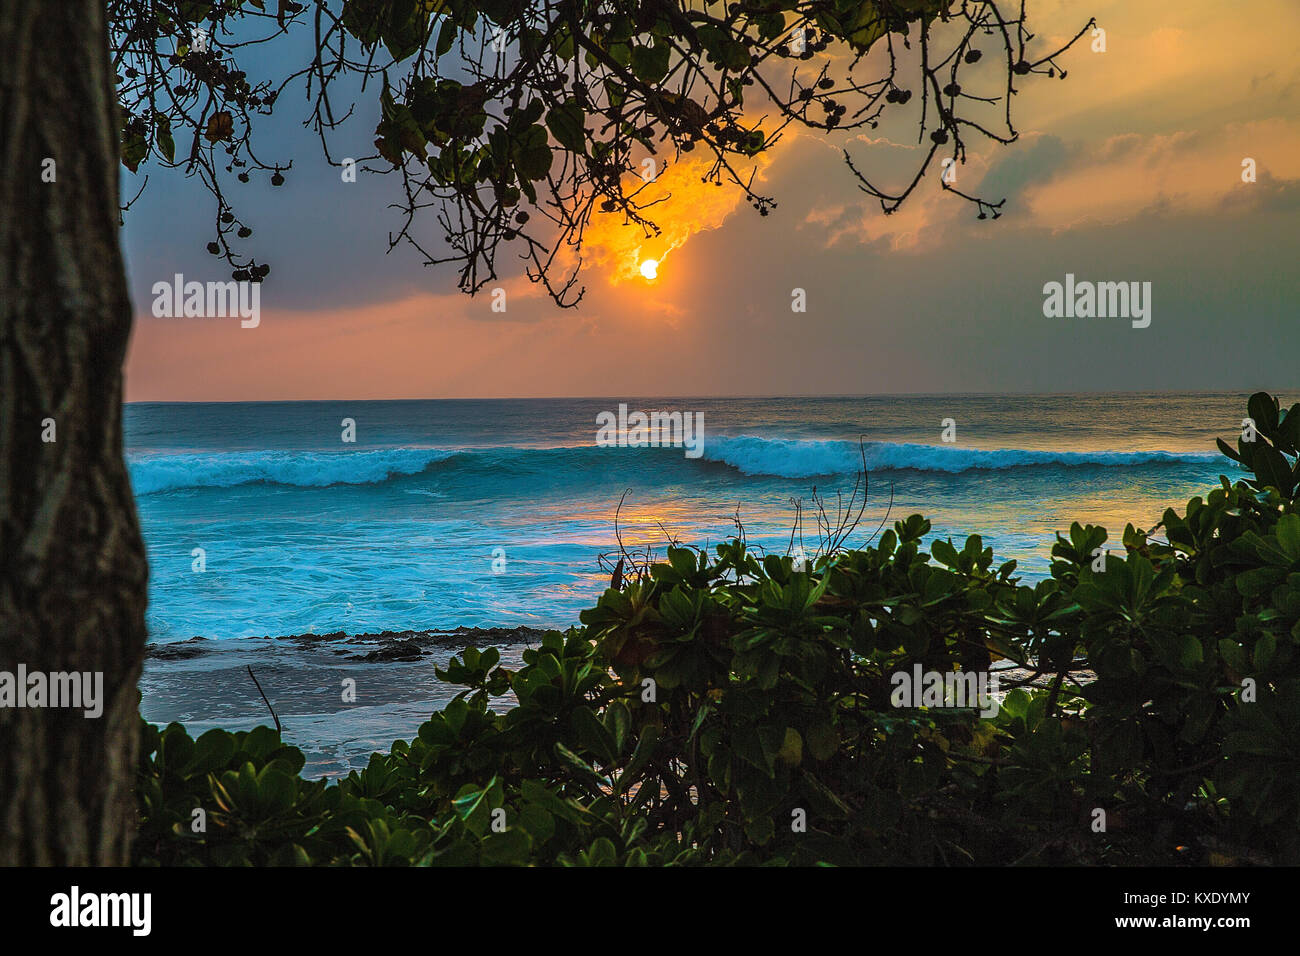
pixel 1036 160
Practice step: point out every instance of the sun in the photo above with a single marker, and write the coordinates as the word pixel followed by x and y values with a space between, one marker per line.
pixel 650 268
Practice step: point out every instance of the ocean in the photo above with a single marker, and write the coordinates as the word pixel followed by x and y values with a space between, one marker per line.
pixel 484 513
pixel 261 521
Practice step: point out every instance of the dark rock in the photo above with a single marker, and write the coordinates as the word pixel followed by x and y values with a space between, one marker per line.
pixel 400 651
pixel 178 650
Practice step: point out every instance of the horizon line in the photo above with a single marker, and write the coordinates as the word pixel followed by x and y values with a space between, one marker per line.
pixel 714 397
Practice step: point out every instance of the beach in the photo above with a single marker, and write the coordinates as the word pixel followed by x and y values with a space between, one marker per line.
pixel 206 683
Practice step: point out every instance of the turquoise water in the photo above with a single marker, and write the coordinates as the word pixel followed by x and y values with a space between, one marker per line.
pixel 482 513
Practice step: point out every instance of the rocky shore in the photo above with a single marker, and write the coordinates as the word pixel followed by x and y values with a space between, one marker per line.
pixel 339 696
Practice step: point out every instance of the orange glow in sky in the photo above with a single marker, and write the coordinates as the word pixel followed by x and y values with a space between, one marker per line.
pixel 679 203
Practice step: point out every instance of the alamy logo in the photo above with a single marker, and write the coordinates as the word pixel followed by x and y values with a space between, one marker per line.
pixel 1085 300
pixel 208 300
pixel 74 908
pixel 655 430
pixel 945 689
pixel 75 690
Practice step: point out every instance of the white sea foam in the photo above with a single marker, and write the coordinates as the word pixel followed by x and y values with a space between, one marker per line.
pixel 750 455
pixel 159 473
pixel 789 458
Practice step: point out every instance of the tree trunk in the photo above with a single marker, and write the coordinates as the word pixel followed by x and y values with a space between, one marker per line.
pixel 72 566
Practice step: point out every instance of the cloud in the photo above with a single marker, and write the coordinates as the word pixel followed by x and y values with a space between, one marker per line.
pixel 1055 185
pixel 1183 172
pixel 928 216
pixel 1033 160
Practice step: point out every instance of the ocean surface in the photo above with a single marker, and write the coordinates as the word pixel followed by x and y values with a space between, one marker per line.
pixel 492 513
pixel 268 534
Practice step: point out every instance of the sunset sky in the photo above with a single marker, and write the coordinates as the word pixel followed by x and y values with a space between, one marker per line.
pixel 1129 170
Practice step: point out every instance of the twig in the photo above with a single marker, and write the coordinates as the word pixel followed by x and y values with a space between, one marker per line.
pixel 278 729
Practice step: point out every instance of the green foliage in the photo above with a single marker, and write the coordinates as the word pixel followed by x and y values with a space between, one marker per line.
pixel 701 715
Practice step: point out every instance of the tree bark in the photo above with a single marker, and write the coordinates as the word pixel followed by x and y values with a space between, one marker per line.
pixel 73 574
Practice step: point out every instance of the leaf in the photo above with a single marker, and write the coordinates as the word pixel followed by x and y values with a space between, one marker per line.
pixel 566 123
pixel 823 741
pixel 532 156
pixel 564 45
pixel 398 130
pixel 539 824
pixel 1265 648
pixel 944 552
pixel 537 793
pixel 825 801
pixel 602 853
pixel 700 716
pixel 509 848
pixel 645 748
pixel 1262 407
pixel 167 145
pixel 212 751
pixel 134 149
pixel 221 126
pixel 1288 432
pixel 617 721
pixel 594 781
pixel 650 63
pixel 760 830
pixel 1272 469
pixel 791 751
pixel 1234 655
pixel 593 735
pixel 446 37
pixel 469 800
pixel 865 28
pixel 760 746
pixel 277 790
pixel 1189 652
pixel 1227 450
pixel 1258 581
pixel 1288 536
